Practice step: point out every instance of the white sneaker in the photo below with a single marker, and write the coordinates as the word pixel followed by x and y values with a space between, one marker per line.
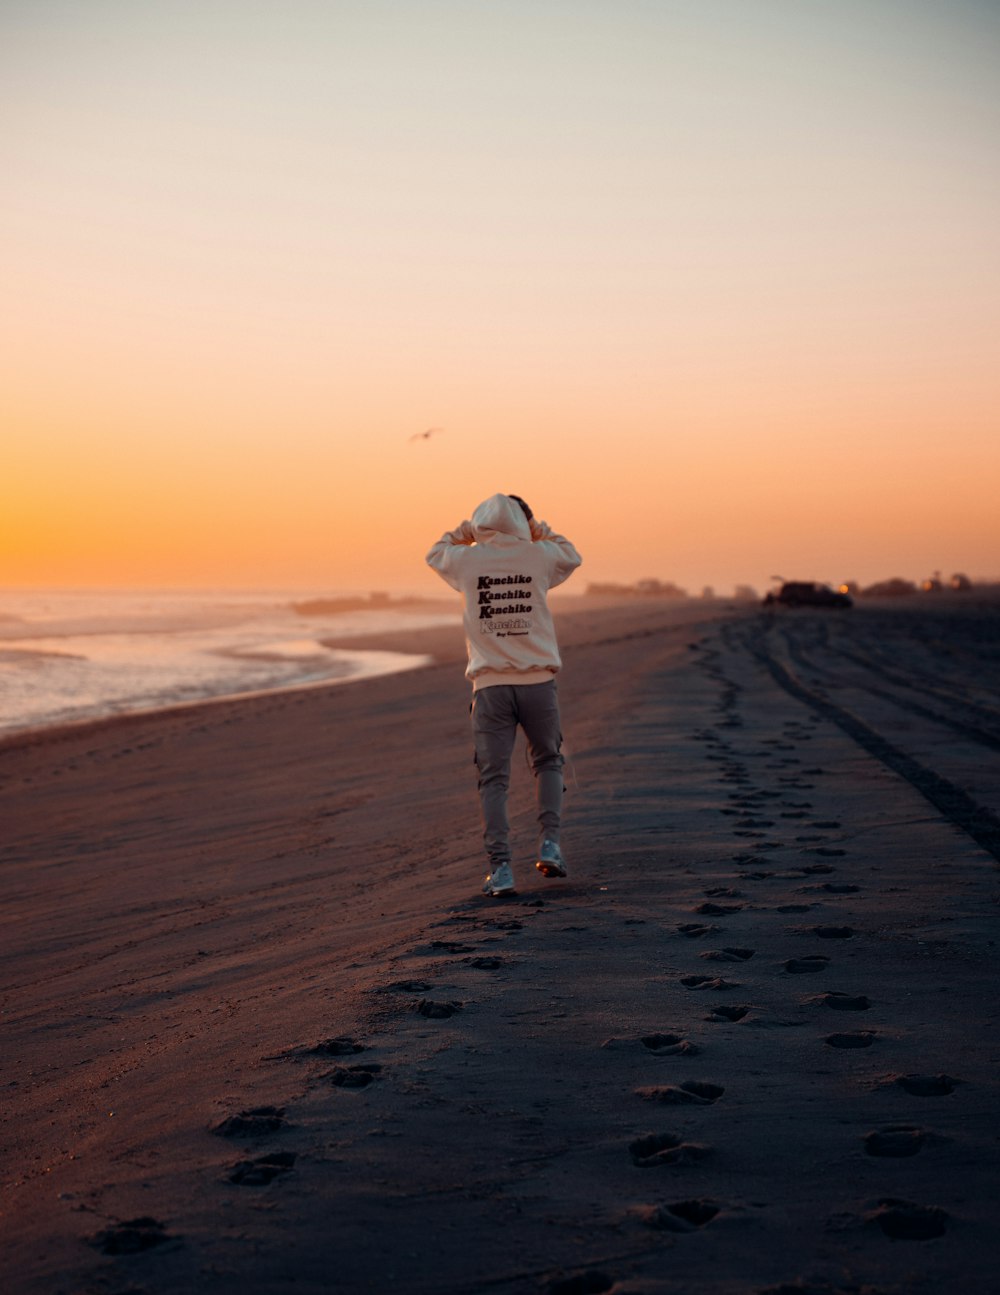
pixel 550 861
pixel 500 881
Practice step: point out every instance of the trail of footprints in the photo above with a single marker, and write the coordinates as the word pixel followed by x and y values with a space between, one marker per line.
pixel 755 812
pixel 349 1073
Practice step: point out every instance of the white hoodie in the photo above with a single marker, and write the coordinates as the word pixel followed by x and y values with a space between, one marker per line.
pixel 505 567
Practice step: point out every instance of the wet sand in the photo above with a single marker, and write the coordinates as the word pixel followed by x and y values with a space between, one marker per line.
pixel 262 1032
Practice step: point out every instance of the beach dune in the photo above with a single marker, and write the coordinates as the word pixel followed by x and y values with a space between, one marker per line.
pixel 262 1032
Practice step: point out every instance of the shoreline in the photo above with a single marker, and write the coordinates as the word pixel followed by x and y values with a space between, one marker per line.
pixel 406 661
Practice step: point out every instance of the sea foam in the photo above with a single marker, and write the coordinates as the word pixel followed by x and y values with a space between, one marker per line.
pixel 68 657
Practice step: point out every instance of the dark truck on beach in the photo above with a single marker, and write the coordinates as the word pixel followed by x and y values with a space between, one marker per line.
pixel 807 593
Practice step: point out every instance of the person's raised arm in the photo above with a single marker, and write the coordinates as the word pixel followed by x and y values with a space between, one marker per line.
pixel 565 558
pixel 443 554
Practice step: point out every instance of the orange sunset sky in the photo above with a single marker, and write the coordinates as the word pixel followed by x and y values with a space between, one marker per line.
pixel 712 283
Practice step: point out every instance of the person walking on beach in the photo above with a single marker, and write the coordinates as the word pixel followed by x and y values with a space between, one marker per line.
pixel 504 562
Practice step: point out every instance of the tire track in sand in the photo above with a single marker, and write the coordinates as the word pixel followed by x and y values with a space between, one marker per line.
pixel 952 801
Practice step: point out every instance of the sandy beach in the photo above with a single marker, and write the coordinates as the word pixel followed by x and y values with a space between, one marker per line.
pixel 263 1033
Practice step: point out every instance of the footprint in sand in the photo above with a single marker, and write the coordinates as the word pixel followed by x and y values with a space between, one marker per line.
pixel 412 986
pixel 669 1045
pixel 436 1009
pixel 252 1123
pixel 695 930
pixel 682 1216
pixel 338 1047
pixel 841 1002
pixel 896 1140
pixel 131 1236
pixel 834 932
pixel 728 1012
pixel 452 946
pixel 857 1039
pixel 485 964
pixel 724 892
pixel 353 1076
pixel 658 1149
pixel 905 1221
pixel 708 982
pixel 926 1085
pixel 259 1172
pixel 728 955
pixel 717 910
pixel 808 965
pixel 693 1093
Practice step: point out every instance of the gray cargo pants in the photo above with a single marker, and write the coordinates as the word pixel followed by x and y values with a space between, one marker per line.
pixel 496 713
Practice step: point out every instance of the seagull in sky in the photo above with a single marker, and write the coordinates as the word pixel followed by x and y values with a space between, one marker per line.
pixel 426 436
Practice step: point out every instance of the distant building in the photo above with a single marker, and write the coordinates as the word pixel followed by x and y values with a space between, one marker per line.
pixel 896 587
pixel 648 588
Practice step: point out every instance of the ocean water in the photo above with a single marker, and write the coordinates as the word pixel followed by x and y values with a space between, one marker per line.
pixel 66 657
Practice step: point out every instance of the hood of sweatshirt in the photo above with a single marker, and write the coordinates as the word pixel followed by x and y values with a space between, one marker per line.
pixel 499 520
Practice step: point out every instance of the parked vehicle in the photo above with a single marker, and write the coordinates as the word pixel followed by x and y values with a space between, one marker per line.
pixel 807 593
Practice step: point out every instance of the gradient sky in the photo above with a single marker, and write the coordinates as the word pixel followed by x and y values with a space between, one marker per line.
pixel 712 283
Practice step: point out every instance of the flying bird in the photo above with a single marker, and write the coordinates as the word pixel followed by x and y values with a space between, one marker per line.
pixel 426 436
